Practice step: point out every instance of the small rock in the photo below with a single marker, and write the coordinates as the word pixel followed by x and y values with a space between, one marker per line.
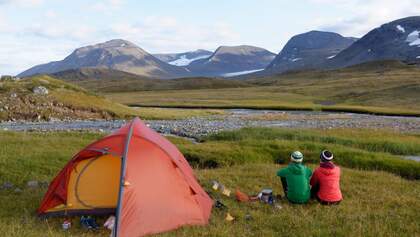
pixel 33 184
pixel 40 90
pixel 18 190
pixel 7 185
pixel 43 184
pixel 13 95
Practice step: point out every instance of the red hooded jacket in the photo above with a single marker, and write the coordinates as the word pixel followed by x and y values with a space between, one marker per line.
pixel 327 176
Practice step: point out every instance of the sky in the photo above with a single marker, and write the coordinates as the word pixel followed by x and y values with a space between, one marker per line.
pixel 39 31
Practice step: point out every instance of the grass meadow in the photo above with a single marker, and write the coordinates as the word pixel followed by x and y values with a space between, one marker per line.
pixel 388 88
pixel 381 190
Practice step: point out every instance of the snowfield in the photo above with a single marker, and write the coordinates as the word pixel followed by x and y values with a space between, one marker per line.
pixel 233 74
pixel 184 61
pixel 413 38
pixel 400 28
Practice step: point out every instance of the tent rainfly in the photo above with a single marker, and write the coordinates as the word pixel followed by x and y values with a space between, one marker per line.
pixel 136 174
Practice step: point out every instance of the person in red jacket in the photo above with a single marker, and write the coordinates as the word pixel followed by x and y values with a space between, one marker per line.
pixel 325 182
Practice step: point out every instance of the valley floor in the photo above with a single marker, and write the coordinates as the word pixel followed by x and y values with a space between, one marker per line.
pixel 375 204
pixel 377 200
pixel 361 89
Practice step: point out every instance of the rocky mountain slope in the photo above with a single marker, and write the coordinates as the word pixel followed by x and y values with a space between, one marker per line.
pixel 183 59
pixel 116 54
pixel 308 51
pixel 397 40
pixel 232 59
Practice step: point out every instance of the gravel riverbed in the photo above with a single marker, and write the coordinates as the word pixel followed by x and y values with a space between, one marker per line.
pixel 234 119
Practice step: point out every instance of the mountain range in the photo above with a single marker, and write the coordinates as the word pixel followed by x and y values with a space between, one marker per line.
pixel 115 54
pixel 396 40
pixel 232 59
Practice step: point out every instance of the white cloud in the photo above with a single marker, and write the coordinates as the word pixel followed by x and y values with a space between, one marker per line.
pixel 167 34
pixel 23 3
pixel 365 14
pixel 16 56
pixel 51 14
pixel 107 6
pixel 59 30
pixel 6 27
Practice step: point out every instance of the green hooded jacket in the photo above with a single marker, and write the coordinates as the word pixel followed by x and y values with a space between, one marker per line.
pixel 297 177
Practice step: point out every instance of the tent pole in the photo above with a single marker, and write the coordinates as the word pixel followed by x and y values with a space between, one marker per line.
pixel 122 178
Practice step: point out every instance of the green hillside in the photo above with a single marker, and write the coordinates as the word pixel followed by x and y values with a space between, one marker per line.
pixel 67 101
pixel 105 80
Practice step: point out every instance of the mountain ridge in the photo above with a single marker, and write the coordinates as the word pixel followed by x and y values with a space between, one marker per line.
pixel 309 50
pixel 231 59
pixel 397 40
pixel 116 54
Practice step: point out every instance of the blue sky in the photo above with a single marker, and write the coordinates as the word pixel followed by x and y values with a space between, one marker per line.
pixel 39 31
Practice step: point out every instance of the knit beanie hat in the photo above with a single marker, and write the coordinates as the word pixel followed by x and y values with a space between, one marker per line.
pixel 296 156
pixel 326 156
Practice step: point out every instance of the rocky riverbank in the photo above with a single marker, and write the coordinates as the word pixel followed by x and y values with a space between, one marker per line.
pixel 233 119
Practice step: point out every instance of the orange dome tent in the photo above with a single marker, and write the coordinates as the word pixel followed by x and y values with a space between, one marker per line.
pixel 135 174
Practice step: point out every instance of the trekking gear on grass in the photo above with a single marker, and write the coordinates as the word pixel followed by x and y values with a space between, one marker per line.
pixel 135 174
pixel 88 223
pixel 266 196
pixel 241 197
pixel 220 187
pixel 218 204
pixel 110 223
pixel 66 224
pixel 296 179
pixel 229 217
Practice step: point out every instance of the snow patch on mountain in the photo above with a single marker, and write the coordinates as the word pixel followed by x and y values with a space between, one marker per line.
pixel 332 56
pixel 400 28
pixel 418 57
pixel 184 61
pixel 296 59
pixel 233 74
pixel 413 38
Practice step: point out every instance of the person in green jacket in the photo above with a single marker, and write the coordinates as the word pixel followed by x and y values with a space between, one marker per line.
pixel 295 179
